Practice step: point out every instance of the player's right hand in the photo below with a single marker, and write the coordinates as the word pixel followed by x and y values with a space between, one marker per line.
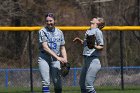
pixel 62 60
pixel 77 39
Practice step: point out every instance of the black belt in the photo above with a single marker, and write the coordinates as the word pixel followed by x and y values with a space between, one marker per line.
pixel 43 52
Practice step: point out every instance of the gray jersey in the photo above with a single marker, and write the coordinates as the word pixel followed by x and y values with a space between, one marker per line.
pixel 98 41
pixel 48 65
pixel 54 39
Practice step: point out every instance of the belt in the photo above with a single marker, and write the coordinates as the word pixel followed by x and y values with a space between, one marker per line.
pixel 43 52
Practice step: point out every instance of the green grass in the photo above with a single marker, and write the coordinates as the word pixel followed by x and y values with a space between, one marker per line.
pixel 118 90
pixel 74 90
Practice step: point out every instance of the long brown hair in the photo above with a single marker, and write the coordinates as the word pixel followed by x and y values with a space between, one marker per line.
pixel 101 23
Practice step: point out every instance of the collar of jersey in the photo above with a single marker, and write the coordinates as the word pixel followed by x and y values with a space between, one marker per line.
pixel 53 30
pixel 93 28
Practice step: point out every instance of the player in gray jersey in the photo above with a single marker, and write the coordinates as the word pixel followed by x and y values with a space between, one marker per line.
pixel 52 52
pixel 91 56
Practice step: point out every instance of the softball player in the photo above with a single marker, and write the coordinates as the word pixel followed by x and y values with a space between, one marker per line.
pixel 91 56
pixel 51 45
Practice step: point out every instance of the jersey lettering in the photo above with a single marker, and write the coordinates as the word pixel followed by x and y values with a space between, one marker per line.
pixel 53 45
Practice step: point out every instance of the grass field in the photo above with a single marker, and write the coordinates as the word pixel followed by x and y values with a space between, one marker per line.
pixel 74 90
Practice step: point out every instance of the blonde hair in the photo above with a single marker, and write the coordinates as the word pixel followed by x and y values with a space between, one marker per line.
pixel 101 23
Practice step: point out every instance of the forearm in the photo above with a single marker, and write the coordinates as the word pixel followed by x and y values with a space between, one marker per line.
pixel 98 47
pixel 48 50
pixel 77 39
pixel 63 52
pixel 82 41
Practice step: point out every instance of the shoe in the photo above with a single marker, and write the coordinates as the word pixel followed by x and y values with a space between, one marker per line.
pixel 45 89
pixel 92 91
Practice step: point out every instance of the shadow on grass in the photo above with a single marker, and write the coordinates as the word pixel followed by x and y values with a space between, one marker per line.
pixel 117 89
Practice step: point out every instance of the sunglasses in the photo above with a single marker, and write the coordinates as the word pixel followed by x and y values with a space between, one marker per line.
pixel 50 15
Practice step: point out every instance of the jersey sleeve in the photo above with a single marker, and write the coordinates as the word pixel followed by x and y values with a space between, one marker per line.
pixel 42 37
pixel 62 39
pixel 99 38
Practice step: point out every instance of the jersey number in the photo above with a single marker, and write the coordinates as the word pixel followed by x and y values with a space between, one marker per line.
pixel 53 45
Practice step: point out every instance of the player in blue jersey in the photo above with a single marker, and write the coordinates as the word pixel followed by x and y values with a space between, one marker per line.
pixel 91 56
pixel 52 52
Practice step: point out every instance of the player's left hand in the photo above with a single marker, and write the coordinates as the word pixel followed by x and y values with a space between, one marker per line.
pixel 62 60
pixel 90 39
pixel 65 60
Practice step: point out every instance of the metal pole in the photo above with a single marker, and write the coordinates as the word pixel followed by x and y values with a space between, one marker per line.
pixel 122 57
pixel 75 76
pixel 6 77
pixel 30 58
pixel 138 2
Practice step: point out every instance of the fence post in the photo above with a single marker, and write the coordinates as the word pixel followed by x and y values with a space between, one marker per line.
pixel 6 78
pixel 30 58
pixel 74 76
pixel 122 57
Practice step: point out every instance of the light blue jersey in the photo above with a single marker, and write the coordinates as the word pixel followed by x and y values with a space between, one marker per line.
pixel 91 62
pixel 54 38
pixel 48 65
pixel 99 41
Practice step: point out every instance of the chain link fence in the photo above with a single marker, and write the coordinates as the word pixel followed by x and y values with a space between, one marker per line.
pixel 15 61
pixel 15 56
pixel 107 77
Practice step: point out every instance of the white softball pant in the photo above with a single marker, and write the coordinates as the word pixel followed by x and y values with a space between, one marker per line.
pixel 88 74
pixel 49 68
